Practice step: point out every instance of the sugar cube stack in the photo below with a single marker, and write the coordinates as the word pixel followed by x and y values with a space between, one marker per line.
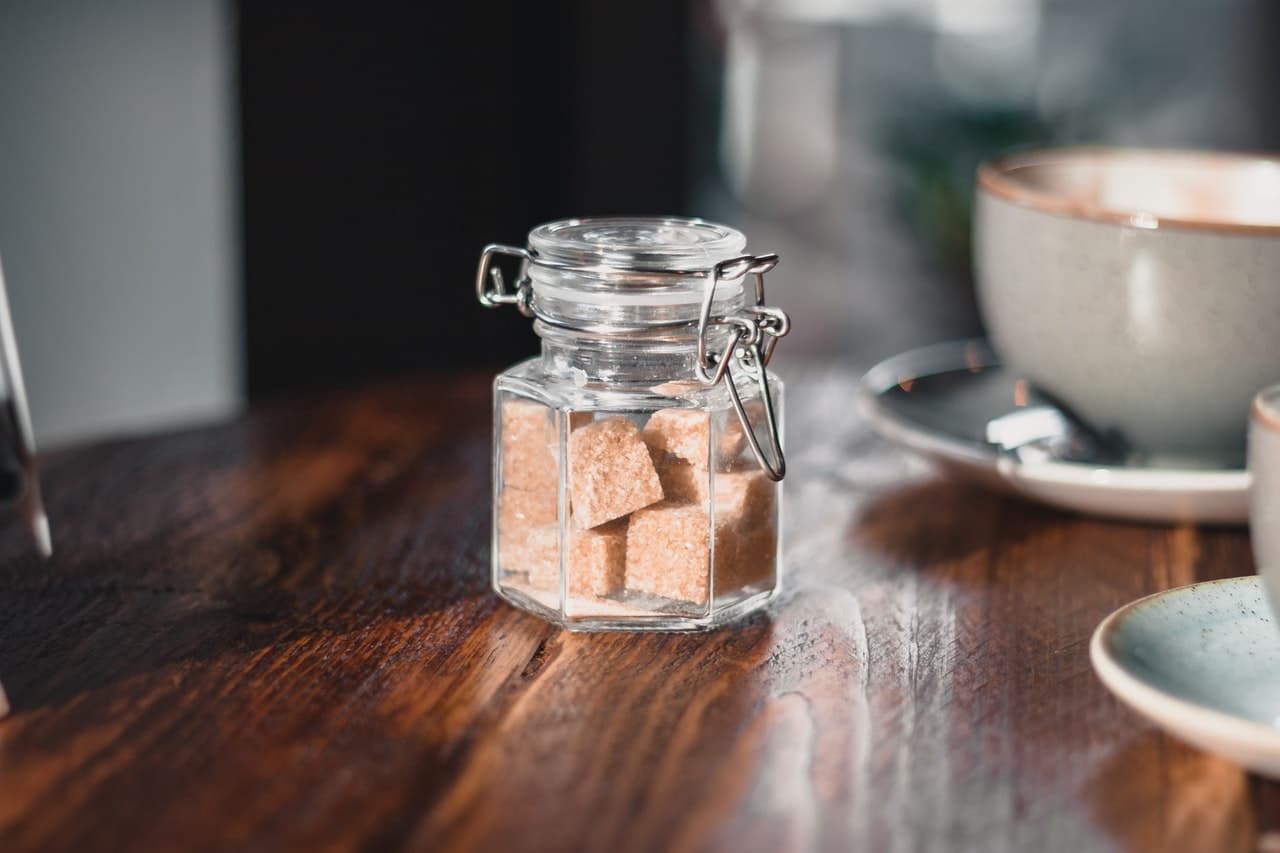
pixel 667 544
pixel 641 511
pixel 528 536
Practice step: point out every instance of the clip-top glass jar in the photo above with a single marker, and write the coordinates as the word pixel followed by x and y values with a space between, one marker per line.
pixel 637 459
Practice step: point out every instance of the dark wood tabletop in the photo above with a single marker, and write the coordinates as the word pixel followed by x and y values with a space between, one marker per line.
pixel 277 633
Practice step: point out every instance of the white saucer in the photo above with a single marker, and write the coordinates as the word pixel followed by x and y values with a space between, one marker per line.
pixel 1201 662
pixel 939 401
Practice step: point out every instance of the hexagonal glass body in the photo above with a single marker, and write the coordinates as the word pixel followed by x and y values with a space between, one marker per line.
pixel 626 495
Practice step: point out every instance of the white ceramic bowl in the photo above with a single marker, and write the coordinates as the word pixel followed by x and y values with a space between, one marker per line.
pixel 1139 287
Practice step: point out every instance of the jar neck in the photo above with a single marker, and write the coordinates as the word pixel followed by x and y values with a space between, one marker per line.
pixel 581 356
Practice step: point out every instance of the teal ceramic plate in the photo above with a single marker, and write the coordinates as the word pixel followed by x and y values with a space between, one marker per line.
pixel 1203 663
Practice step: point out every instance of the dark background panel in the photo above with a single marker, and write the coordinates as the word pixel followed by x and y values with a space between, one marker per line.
pixel 384 144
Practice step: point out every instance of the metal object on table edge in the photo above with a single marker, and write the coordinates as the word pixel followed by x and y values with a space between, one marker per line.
pixel 30 505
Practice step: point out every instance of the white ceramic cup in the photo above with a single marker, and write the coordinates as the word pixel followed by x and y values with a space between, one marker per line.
pixel 1264 491
pixel 1140 287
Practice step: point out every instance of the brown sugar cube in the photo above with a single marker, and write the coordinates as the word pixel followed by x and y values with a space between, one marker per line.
pixel 535 550
pixel 746 508
pixel 746 500
pixel 682 482
pixel 520 509
pixel 597 559
pixel 580 419
pixel 610 472
pixel 686 434
pixel 683 433
pixel 528 446
pixel 668 550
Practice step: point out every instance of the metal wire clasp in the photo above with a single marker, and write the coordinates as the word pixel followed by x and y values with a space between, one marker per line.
pixel 753 338
pixel 492 297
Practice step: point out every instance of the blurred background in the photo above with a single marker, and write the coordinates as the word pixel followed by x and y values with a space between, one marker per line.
pixel 208 202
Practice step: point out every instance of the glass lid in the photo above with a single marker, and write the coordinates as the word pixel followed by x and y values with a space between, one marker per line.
pixel 659 244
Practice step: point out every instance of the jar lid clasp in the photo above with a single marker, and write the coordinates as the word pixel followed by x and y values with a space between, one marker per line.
pixel 752 340
pixel 489 272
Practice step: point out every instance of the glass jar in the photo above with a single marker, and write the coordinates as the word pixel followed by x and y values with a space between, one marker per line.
pixel 637 460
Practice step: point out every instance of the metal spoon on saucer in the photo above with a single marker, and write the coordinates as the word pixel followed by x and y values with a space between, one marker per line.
pixel 1043 429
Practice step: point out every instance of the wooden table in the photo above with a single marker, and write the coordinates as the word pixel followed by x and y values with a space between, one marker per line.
pixel 278 633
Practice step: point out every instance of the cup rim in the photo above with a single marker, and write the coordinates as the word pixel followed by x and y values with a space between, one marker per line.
pixel 1267 414
pixel 995 176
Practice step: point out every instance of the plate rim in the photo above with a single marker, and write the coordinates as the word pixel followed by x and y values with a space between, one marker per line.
pixel 1159 705
pixel 1107 478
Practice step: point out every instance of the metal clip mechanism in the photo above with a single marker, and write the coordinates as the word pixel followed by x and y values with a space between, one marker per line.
pixel 498 294
pixel 753 339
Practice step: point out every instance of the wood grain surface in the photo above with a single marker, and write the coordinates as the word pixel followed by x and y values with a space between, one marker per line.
pixel 277 633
